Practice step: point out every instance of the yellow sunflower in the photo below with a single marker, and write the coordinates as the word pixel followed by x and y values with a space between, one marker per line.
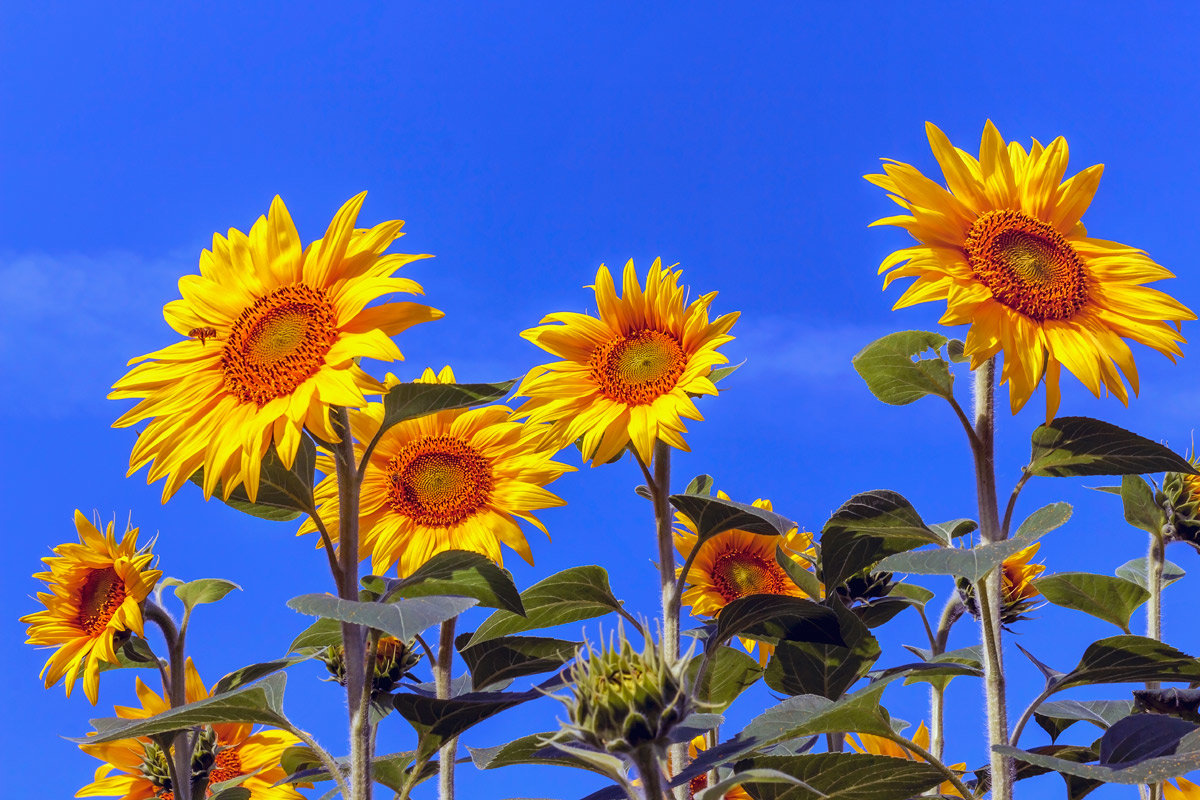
pixel 136 769
pixel 454 480
pixel 700 782
pixel 879 746
pixel 1182 789
pixel 1016 583
pixel 736 563
pixel 96 592
pixel 631 375
pixel 273 331
pixel 1006 250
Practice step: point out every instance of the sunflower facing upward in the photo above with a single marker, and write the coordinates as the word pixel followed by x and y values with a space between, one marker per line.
pixel 273 333
pixel 630 375
pixel 1006 250
pixel 96 592
pixel 454 480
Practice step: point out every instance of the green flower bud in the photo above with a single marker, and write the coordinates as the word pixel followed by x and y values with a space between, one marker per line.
pixel 1180 497
pixel 394 660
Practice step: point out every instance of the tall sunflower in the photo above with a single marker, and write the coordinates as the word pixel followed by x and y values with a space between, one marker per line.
pixel 1006 250
pixel 136 769
pixel 96 592
pixel 879 746
pixel 272 334
pixel 630 375
pixel 454 480
pixel 734 564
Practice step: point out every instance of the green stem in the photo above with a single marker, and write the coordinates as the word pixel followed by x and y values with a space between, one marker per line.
pixel 935 762
pixel 1155 560
pixel 651 772
pixel 442 674
pixel 951 613
pixel 327 761
pixel 180 762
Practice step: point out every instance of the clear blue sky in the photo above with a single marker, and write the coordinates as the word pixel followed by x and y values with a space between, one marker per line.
pixel 524 144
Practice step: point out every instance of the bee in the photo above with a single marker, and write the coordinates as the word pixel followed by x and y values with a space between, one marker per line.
pixel 203 334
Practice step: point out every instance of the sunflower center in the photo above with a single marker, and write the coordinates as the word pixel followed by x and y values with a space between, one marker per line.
pixel 638 368
pixel 1028 265
pixel 737 573
pixel 227 766
pixel 439 481
pixel 278 343
pixel 102 593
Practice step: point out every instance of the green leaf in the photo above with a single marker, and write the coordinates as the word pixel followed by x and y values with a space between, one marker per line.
pixel 828 670
pixel 1142 736
pixel 232 793
pixel 404 620
pixel 776 616
pixel 1130 659
pixel 302 765
pixel 202 590
pixel 455 572
pixel 701 484
pixel 712 515
pixel 249 674
pixel 812 715
pixel 537 749
pixel 411 400
pixel 865 530
pixel 755 775
pixel 1153 770
pixel 956 351
pixel 508 657
pixel 730 672
pixel 969 659
pixel 1103 596
pixel 260 703
pixel 447 718
pixel 572 595
pixel 892 374
pixel 804 578
pixel 955 528
pixel 1136 571
pixel 134 654
pixel 718 374
pixel 843 776
pixel 1070 446
pixel 322 633
pixel 283 494
pixel 1058 715
pixel 1140 509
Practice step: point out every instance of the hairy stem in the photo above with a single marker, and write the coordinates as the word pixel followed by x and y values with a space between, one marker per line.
pixel 650 770
pixel 935 762
pixel 1155 559
pixel 327 761
pixel 180 763
pixel 441 675
pixel 951 613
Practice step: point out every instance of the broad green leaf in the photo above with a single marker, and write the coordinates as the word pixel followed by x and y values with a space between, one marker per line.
pixel 1141 511
pixel 404 620
pixel 508 657
pixel 828 670
pixel 964 661
pixel 812 715
pixel 954 528
pixel 917 595
pixel 203 590
pixel 1182 703
pixel 260 703
pixel 1130 659
pixel 447 718
pixel 804 578
pixel 322 633
pixel 1153 770
pixel 1103 596
pixel 283 494
pixel 730 672
pixel 572 595
pixel 843 776
pixel 1142 736
pixel 777 616
pixel 712 515
pixel 249 674
pixel 1136 571
pixel 1044 520
pixel 1070 446
pixel 1058 715
pixel 537 749
pixel 1077 788
pixel 865 530
pixel 759 776
pixel 411 400
pixel 455 572
pixel 891 373
pixel 134 654
pixel 701 484
pixel 302 765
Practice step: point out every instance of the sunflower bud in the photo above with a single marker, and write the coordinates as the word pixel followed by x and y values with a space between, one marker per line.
pixel 394 659
pixel 1181 497
pixel 623 701
pixel 1017 592
pixel 866 587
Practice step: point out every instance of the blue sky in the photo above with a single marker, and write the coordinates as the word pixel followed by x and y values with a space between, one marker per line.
pixel 525 144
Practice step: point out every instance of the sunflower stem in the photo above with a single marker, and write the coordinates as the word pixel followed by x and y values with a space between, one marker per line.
pixel 988 591
pixel 1155 561
pixel 175 688
pixel 442 674
pixel 951 613
pixel 650 770
pixel 354 638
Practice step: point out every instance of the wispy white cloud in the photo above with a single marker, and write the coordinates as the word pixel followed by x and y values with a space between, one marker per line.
pixel 783 347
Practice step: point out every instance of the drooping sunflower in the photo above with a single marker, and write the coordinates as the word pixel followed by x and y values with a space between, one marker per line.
pixel 630 375
pixel 273 331
pixel 1005 248
pixel 1018 594
pixel 734 564
pixel 454 480
pixel 879 746
pixel 96 591
pixel 136 769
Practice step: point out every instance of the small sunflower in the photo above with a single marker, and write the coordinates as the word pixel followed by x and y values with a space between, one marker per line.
pixel 700 782
pixel 454 480
pixel 1006 250
pixel 96 592
pixel 734 564
pixel 136 769
pixel 631 375
pixel 1017 592
pixel 879 746
pixel 273 334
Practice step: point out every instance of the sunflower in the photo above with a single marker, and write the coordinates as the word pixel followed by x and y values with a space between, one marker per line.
pixel 454 480
pixel 1005 249
pixel 736 563
pixel 700 782
pixel 136 769
pixel 631 375
pixel 273 334
pixel 879 746
pixel 1016 582
pixel 96 592
pixel 1183 789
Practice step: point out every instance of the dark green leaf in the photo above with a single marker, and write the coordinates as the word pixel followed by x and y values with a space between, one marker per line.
pixel 777 616
pixel 812 715
pixel 572 595
pixel 1056 716
pixel 1070 446
pixel 1136 571
pixel 1153 770
pixel 804 578
pixel 134 654
pixel 455 572
pixel 232 793
pixel 509 657
pixel 730 672
pixel 966 658
pixel 246 675
pixel 302 765
pixel 536 749
pixel 892 374
pixel 1142 736
pixel 322 633
pixel 865 530
pixel 1103 596
pixel 1172 701
pixel 824 669
pixel 843 776
pixel 1130 659
pixel 447 718
pixel 283 494
pixel 411 400
pixel 752 775
pixel 404 620
pixel 1141 511
pixel 712 515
